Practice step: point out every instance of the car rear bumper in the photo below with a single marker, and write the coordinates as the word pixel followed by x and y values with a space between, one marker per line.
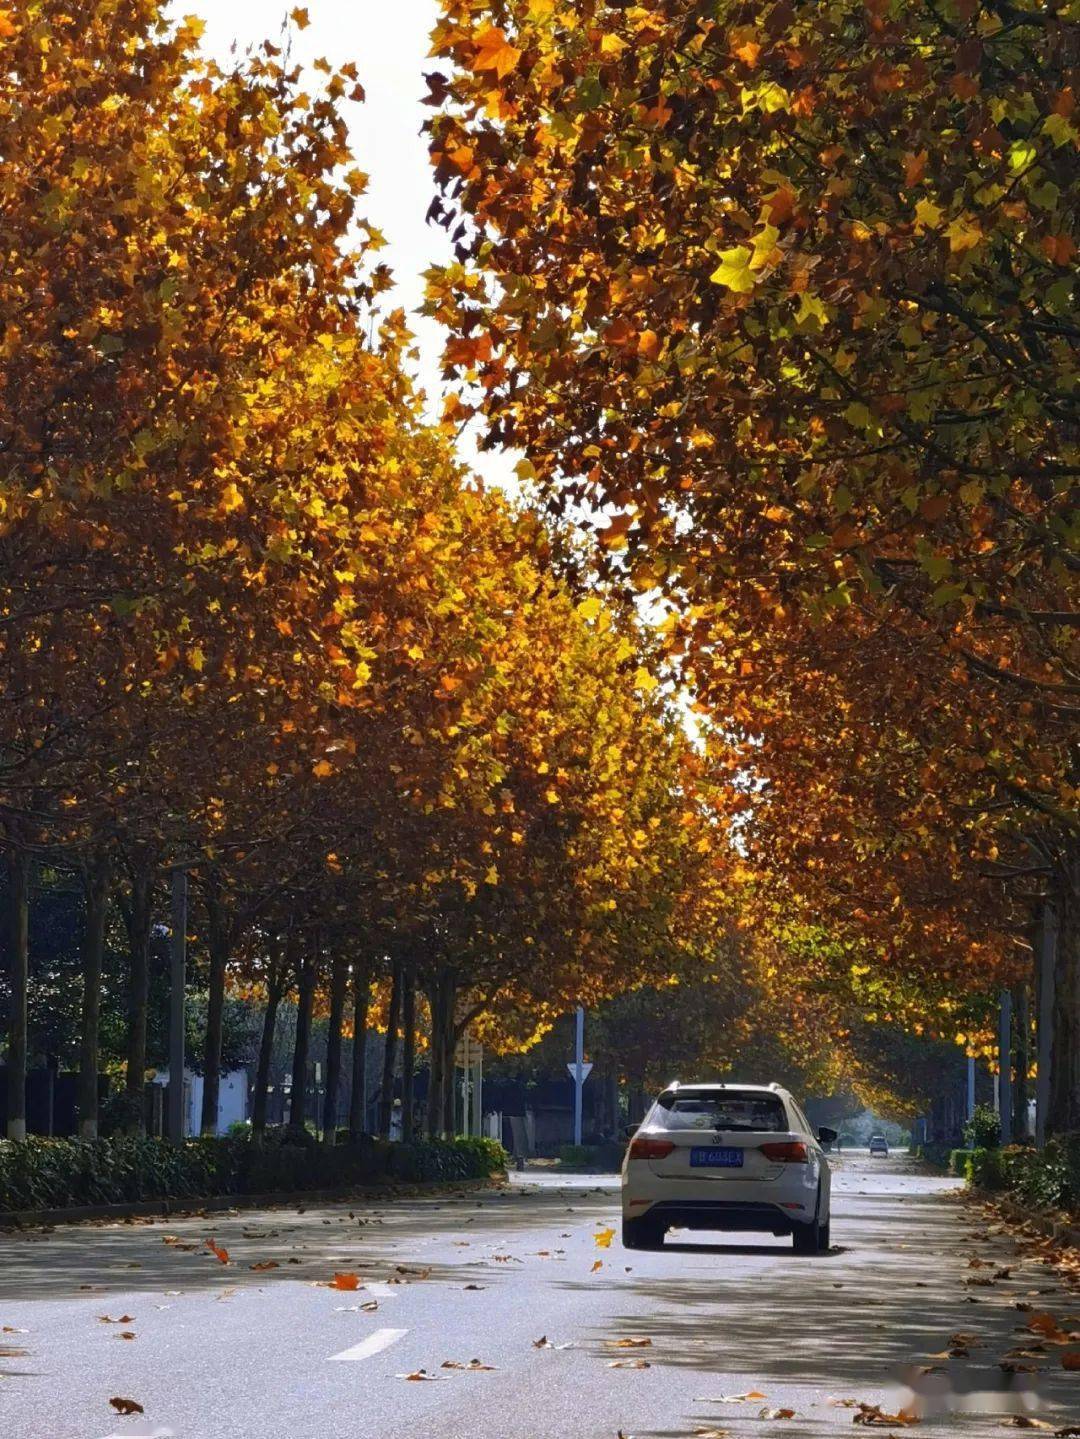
pixel 748 1216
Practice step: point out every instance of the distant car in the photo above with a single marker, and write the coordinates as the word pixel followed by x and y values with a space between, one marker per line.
pixel 879 1145
pixel 739 1157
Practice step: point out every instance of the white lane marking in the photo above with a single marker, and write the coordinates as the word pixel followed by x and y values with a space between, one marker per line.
pixel 373 1344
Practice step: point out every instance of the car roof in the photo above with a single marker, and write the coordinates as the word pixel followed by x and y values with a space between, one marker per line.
pixel 729 1084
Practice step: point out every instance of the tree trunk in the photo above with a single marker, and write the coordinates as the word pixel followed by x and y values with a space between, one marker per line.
pixel 18 862
pixel 138 928
pixel 96 891
pixel 1064 1108
pixel 305 1000
pixel 274 990
pixel 408 1052
pixel 433 1118
pixel 358 1095
pixel 1021 1127
pixel 449 1044
pixel 386 1095
pixel 339 975
pixel 217 938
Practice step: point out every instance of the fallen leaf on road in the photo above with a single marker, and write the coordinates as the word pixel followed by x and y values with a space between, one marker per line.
pixel 545 1343
pixel 629 1364
pixel 265 1264
pixel 221 1255
pixel 1071 1360
pixel 345 1281
pixel 419 1376
pixel 126 1406
pixel 602 1239
pixel 10 1329
pixel 964 1341
pixel 10 1351
pixel 712 1433
pixel 474 1366
pixel 874 1415
pixel 420 1273
pixel 598 1265
pixel 475 1286
pixel 843 1403
pixel 734 1398
pixel 1048 1327
pixel 776 1414
pixel 1023 1421
pixel 124 1319
pixel 126 1334
pixel 628 1343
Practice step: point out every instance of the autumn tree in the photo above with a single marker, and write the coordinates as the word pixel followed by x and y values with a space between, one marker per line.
pixel 789 292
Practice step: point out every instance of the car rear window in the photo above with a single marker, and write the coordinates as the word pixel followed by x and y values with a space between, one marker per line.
pixel 729 1109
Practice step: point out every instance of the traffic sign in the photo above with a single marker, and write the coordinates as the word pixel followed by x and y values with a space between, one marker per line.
pixel 586 1070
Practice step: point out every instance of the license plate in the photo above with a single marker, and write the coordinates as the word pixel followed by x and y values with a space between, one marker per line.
pixel 716 1158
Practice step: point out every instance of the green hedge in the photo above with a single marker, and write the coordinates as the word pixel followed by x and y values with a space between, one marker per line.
pixel 934 1153
pixel 62 1173
pixel 1038 1179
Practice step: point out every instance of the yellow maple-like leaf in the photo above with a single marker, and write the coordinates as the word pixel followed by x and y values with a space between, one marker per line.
pixel 963 234
pixel 644 679
pixel 602 1239
pixel 733 271
pixel 590 608
pixel 323 769
pixel 494 52
pixel 927 215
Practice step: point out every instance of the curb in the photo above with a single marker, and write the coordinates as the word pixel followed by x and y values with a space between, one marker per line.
pixel 12 1221
pixel 1045 1222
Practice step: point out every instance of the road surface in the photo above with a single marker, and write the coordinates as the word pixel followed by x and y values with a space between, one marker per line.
pixel 229 1351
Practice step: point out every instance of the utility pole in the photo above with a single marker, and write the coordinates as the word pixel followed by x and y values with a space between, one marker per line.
pixel 579 1077
pixel 177 1004
pixel 970 1109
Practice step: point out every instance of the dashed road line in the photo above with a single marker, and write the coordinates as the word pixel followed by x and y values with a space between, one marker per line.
pixel 373 1344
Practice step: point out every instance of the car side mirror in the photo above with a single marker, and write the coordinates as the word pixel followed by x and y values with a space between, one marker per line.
pixel 827 1135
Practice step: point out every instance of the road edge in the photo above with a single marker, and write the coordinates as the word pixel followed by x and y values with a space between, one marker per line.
pixel 11 1221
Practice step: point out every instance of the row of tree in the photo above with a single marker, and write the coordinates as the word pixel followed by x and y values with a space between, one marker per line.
pixel 785 296
pixel 256 626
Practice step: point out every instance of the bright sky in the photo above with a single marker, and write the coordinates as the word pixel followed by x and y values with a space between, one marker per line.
pixel 388 40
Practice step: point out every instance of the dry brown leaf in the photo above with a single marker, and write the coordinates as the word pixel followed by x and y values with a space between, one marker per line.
pixel 874 1416
pixel 126 1406
pixel 629 1364
pixel 263 1265
pixel 419 1376
pixel 124 1319
pixel 598 1265
pixel 221 1255
pixel 1071 1359
pixel 628 1343
pixel 767 1413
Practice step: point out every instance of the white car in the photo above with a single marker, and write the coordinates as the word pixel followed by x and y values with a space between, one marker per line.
pixel 727 1156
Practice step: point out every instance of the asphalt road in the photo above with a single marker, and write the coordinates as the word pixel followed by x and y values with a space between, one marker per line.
pixel 228 1351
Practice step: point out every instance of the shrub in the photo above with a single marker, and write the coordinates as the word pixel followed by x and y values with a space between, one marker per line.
pixel 986 1168
pixel 576 1156
pixel 64 1173
pixel 959 1163
pixel 983 1129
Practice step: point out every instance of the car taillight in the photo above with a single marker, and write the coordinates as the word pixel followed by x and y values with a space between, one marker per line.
pixel 642 1148
pixel 792 1151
